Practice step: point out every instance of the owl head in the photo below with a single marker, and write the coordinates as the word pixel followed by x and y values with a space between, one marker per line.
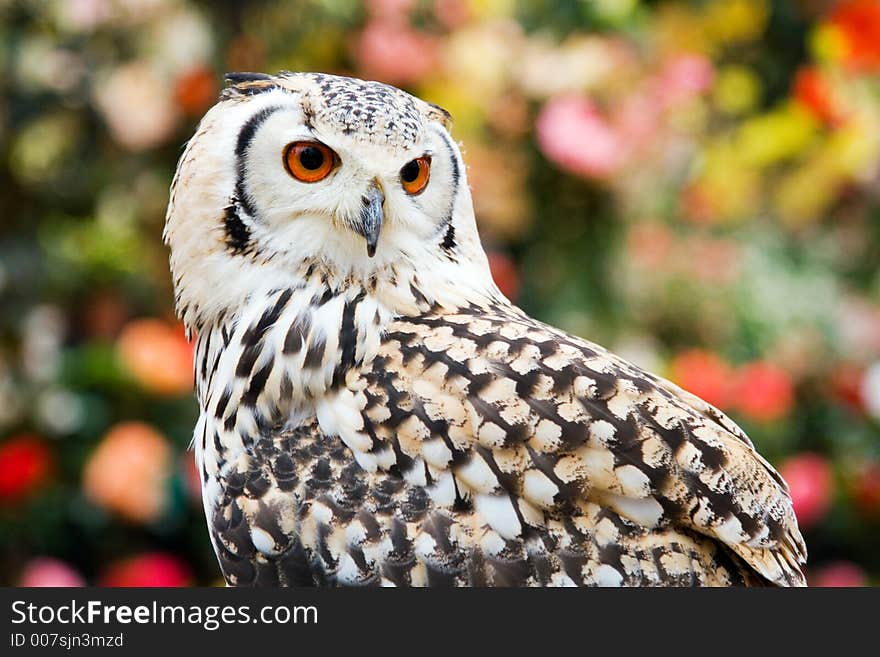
pixel 301 169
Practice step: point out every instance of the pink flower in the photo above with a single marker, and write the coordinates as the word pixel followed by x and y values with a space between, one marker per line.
pixel 391 51
pixel 45 571
pixel 84 15
pixel 128 472
pixel 839 574
pixel 811 485
pixel 682 78
pixel 452 13
pixel 137 105
pixel 574 135
pixel 638 120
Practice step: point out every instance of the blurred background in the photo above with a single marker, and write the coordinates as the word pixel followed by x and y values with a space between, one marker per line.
pixel 695 185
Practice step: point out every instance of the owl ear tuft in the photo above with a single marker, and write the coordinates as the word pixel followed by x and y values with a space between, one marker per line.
pixel 247 84
pixel 437 113
pixel 245 76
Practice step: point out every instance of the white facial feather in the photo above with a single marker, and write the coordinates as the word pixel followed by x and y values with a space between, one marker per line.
pixel 297 222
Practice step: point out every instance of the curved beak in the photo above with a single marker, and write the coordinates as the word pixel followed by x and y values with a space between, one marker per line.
pixel 371 217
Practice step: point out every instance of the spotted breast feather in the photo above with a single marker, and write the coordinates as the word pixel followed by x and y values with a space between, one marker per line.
pixel 483 448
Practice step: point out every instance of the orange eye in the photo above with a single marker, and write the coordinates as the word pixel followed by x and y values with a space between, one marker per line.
pixel 414 175
pixel 308 161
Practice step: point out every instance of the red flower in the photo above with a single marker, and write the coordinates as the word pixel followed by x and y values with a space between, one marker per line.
pixel 839 574
pixel 45 571
pixel 192 479
pixel 811 485
pixel 859 23
pixel 704 374
pixel 811 89
pixel 763 391
pixel 866 489
pixel 504 273
pixel 846 385
pixel 147 569
pixel 195 90
pixel 25 464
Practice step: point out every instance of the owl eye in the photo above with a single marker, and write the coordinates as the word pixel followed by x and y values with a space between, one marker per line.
pixel 414 175
pixel 308 161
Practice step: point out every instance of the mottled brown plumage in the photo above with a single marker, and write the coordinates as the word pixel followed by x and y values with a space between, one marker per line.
pixel 516 455
pixel 395 420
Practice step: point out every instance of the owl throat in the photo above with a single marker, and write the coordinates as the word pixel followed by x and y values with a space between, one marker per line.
pixel 287 353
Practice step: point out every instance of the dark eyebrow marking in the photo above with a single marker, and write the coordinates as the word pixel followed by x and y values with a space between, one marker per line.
pixel 446 228
pixel 242 144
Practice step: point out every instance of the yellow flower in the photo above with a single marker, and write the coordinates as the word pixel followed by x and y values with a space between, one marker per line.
pixel 852 150
pixel 483 9
pixel 737 90
pixel 41 147
pixel 676 29
pixel 735 21
pixel 808 191
pixel 804 194
pixel 468 111
pixel 726 182
pixel 480 58
pixel 776 135
pixel 827 43
pixel 613 11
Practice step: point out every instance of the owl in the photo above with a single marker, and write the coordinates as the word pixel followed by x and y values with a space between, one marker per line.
pixel 374 411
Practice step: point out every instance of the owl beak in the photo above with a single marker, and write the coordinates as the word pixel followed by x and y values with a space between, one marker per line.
pixel 371 217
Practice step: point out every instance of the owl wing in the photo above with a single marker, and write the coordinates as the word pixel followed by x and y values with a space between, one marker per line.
pixel 531 429
pixel 298 510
